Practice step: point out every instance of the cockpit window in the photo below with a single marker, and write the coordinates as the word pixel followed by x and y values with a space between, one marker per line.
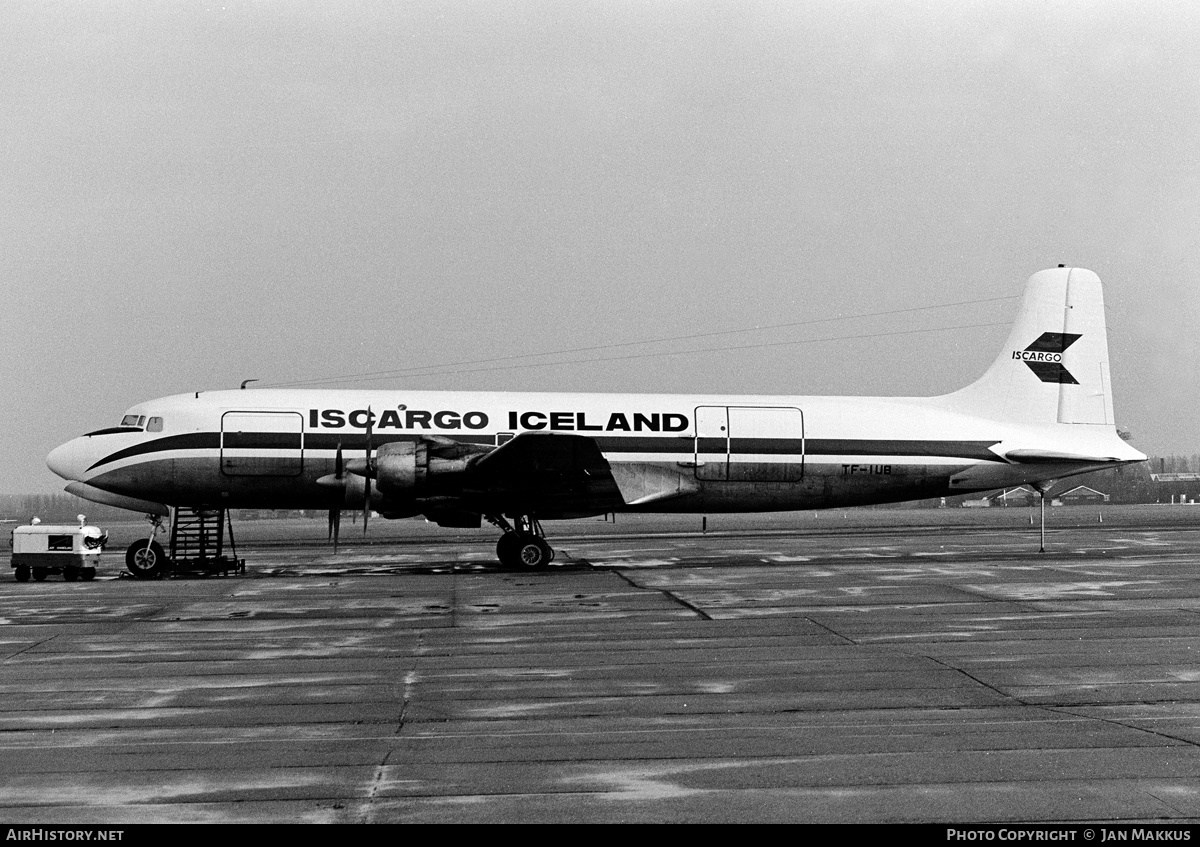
pixel 154 425
pixel 131 420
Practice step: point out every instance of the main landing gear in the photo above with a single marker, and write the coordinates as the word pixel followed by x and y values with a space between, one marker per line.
pixel 521 547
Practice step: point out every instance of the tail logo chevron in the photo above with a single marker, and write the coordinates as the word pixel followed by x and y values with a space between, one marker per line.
pixel 1044 357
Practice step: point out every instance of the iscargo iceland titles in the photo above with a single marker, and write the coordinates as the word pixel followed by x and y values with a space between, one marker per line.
pixel 403 418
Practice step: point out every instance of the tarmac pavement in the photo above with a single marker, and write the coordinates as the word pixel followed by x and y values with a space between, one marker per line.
pixel 896 675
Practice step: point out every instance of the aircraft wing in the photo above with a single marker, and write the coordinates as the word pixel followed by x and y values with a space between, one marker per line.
pixel 560 472
pixel 540 472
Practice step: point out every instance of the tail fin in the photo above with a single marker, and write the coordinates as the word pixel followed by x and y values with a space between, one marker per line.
pixel 1054 366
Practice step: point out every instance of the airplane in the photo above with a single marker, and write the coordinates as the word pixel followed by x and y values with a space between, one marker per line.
pixel 1042 411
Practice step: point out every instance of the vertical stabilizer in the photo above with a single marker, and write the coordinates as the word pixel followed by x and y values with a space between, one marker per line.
pixel 1054 366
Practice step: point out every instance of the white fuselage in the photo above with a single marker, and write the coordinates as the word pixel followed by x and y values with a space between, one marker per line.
pixel 267 448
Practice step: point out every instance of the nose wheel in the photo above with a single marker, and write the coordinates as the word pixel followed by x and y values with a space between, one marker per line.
pixel 146 559
pixel 524 546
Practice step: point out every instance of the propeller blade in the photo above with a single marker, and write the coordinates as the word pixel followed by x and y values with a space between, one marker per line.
pixel 335 515
pixel 367 478
pixel 337 479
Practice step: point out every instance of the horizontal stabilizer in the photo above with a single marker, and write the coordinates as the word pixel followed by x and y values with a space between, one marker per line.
pixel 641 483
pixel 1040 457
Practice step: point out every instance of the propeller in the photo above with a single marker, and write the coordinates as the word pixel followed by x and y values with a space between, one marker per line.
pixel 367 476
pixel 358 467
pixel 335 515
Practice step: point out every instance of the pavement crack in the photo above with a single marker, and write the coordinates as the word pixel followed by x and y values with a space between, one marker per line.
pixel 376 783
pixel 1167 803
pixel 976 680
pixel 830 630
pixel 691 607
pixel 1114 722
pixel 406 690
pixel 29 647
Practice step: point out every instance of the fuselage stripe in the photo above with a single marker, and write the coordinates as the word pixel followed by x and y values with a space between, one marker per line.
pixel 812 447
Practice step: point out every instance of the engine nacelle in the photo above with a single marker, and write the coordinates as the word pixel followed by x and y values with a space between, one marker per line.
pixel 401 468
pixel 406 469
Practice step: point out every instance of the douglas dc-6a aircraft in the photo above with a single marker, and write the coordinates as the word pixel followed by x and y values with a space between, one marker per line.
pixel 1041 412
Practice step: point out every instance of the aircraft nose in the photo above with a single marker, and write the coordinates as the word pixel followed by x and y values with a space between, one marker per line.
pixel 67 460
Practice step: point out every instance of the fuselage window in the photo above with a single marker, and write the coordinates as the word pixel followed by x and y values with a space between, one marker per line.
pixel 141 420
pixel 129 420
pixel 154 425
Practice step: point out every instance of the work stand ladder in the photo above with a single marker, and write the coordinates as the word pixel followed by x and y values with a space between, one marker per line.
pixel 198 542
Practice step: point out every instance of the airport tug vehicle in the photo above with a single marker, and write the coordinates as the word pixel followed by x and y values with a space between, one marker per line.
pixel 39 550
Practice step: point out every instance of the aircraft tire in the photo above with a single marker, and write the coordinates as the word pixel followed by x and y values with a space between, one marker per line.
pixel 145 562
pixel 40 574
pixel 534 553
pixel 22 574
pixel 87 574
pixel 70 574
pixel 508 550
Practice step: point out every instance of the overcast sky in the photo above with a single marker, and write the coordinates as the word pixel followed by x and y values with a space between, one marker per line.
pixel 195 194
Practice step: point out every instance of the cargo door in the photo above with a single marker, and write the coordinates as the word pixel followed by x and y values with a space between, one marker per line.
pixel 262 443
pixel 766 444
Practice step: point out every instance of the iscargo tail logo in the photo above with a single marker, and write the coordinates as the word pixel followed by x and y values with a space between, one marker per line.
pixel 1044 357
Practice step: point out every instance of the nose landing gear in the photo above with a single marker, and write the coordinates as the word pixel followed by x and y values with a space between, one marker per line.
pixel 147 559
pixel 197 541
pixel 524 546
